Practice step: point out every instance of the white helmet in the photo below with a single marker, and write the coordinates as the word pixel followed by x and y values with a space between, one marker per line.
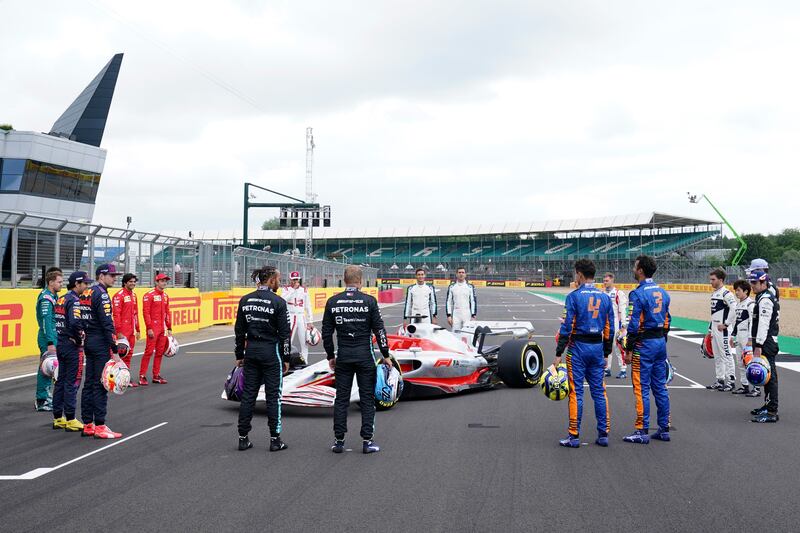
pixel 49 365
pixel 313 336
pixel 123 346
pixel 115 377
pixel 172 347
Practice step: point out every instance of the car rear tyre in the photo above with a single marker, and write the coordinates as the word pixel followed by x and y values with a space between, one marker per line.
pixel 520 363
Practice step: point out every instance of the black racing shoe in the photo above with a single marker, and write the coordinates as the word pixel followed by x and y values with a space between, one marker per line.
pixel 755 392
pixel 717 385
pixel 338 446
pixel 744 389
pixel 276 444
pixel 728 387
pixel 759 410
pixel 370 447
pixel 244 443
pixel 766 418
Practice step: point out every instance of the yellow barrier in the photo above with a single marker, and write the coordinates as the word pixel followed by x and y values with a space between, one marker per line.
pixel 190 309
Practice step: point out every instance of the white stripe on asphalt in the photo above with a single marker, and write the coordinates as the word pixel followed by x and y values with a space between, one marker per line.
pixel 39 472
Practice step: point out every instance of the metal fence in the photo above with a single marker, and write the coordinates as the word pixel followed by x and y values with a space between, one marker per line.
pixel 315 272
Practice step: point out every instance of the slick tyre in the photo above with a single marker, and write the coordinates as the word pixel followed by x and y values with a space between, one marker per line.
pixel 520 363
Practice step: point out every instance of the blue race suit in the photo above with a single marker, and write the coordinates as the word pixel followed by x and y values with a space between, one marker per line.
pixel 100 342
pixel 69 328
pixel 587 335
pixel 648 326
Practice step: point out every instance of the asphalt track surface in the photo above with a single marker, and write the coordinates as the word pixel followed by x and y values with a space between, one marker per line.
pixel 486 461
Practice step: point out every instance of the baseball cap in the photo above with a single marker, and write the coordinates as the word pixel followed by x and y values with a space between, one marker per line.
pixel 77 277
pixel 129 276
pixel 758 264
pixel 757 275
pixel 295 275
pixel 161 276
pixel 107 268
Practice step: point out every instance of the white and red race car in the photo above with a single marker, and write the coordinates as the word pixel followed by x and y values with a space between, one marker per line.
pixel 434 361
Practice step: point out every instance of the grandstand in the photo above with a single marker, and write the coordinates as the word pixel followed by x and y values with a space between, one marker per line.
pixel 514 251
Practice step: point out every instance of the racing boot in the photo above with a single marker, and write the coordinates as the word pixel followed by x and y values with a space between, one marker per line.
pixel 728 387
pixel 744 389
pixel 623 374
pixel 159 379
pixel 602 440
pixel 276 444
pixel 59 423
pixel 755 392
pixel 338 446
pixel 766 418
pixel 244 443
pixel 104 432
pixel 143 381
pixel 661 434
pixel 759 410
pixel 369 446
pixel 608 372
pixel 88 430
pixel 639 436
pixel 43 405
pixel 132 384
pixel 73 425
pixel 571 441
pixel 717 385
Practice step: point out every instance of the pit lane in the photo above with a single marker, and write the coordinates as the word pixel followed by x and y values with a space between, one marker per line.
pixel 482 461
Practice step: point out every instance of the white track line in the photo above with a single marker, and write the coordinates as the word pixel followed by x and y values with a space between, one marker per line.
pixel 38 472
pixel 695 385
pixel 21 376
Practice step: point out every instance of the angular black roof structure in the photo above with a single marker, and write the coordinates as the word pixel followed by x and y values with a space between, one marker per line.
pixel 85 120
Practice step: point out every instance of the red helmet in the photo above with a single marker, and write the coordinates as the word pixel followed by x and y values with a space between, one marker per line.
pixel 295 275
pixel 707 347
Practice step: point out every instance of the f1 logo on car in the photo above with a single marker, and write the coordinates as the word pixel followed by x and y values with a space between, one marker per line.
pixel 443 362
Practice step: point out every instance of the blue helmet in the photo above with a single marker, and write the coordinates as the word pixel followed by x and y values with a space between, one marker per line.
pixel 758 372
pixel 234 385
pixel 670 371
pixel 388 386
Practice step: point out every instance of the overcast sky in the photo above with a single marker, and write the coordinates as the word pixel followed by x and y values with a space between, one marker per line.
pixel 424 113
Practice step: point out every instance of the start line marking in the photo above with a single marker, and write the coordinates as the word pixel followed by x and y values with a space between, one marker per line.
pixel 39 472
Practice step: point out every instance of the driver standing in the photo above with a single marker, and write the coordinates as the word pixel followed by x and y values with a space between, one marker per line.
pixel 462 305
pixel 420 302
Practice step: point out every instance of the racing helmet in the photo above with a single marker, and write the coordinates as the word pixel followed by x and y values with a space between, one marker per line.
pixel 172 347
pixel 388 386
pixel 621 341
pixel 670 371
pixel 313 336
pixel 758 372
pixel 234 384
pixel 123 346
pixel 555 383
pixel 49 365
pixel 707 346
pixel 115 377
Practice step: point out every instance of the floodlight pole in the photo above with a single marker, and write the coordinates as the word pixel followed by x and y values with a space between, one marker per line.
pixel 742 244
pixel 248 204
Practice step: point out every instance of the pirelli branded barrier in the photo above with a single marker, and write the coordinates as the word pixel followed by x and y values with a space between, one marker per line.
pixel 190 309
pixel 477 282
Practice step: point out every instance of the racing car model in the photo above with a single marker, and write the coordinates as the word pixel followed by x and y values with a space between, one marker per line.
pixel 433 361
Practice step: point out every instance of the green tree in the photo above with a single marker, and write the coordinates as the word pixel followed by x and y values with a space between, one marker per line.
pixel 272 223
pixel 6 127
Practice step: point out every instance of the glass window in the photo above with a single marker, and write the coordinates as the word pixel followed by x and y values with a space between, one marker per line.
pixel 13 166
pixel 10 182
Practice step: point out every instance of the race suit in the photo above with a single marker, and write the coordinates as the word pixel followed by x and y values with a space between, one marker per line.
pixel 764 333
pixel 461 303
pixel 723 312
pixel 619 304
pixel 420 301
pixel 70 330
pixel 298 305
pixel 46 338
pixel 126 318
pixel 648 326
pixel 355 317
pixel 587 335
pixel 157 317
pixel 741 335
pixel 262 340
pixel 100 342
